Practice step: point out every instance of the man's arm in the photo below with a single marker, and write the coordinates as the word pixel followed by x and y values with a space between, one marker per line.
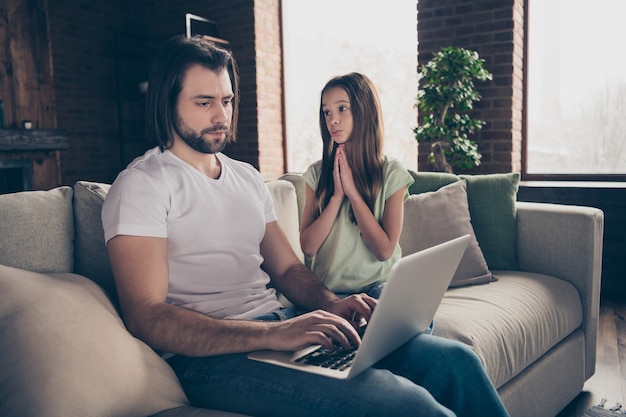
pixel 300 285
pixel 141 275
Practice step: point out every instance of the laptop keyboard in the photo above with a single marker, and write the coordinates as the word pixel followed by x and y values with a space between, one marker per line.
pixel 337 358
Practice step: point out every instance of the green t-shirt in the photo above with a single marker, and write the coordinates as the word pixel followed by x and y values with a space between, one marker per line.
pixel 344 262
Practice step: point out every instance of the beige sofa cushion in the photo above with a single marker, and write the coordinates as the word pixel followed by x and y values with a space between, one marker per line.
pixel 66 352
pixel 511 322
pixel 37 230
pixel 286 206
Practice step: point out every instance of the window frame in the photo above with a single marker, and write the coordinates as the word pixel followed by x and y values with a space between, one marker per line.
pixel 524 162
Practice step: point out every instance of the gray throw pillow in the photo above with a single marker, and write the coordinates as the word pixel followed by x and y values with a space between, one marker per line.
pixel 37 230
pixel 90 256
pixel 435 217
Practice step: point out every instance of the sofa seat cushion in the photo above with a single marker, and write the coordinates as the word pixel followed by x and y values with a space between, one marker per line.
pixel 66 352
pixel 511 322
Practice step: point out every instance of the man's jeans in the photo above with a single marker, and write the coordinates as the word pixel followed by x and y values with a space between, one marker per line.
pixel 427 376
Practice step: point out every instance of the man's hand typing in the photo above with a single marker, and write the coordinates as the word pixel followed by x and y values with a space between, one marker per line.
pixel 317 327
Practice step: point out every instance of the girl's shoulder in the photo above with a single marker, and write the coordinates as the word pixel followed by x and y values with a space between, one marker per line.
pixel 392 164
pixel 312 173
pixel 395 174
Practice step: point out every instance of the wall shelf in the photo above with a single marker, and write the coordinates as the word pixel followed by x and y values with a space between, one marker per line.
pixel 32 140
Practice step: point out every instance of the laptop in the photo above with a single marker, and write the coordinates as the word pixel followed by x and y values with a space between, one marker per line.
pixel 407 305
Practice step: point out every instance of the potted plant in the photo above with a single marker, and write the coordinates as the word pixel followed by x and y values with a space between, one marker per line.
pixel 446 95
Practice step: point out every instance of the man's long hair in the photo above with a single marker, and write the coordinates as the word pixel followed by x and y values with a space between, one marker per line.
pixel 365 147
pixel 176 56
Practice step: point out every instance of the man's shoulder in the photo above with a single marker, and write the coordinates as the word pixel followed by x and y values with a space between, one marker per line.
pixel 143 170
pixel 236 162
pixel 151 160
pixel 241 168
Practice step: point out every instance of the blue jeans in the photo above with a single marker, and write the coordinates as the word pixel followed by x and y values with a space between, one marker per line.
pixel 427 376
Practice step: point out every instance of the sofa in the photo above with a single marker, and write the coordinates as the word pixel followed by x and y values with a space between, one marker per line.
pixel 527 300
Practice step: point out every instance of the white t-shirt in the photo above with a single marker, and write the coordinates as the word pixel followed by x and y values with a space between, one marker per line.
pixel 213 227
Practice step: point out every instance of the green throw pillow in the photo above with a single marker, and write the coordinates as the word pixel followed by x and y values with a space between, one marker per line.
pixel 491 200
pixel 425 182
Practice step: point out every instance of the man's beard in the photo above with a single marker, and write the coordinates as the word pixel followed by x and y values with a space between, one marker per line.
pixel 196 142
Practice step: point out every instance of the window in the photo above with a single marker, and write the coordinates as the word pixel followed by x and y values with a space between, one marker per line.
pixel 325 38
pixel 576 89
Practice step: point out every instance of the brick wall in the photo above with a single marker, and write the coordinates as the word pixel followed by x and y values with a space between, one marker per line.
pixel 83 44
pixel 269 88
pixel 84 79
pixel 103 111
pixel 495 30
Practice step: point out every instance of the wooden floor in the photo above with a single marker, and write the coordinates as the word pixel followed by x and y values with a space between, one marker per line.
pixel 609 381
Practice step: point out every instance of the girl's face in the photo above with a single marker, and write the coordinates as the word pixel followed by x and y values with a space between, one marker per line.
pixel 336 110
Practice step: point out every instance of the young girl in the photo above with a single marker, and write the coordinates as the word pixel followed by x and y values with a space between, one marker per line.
pixel 355 195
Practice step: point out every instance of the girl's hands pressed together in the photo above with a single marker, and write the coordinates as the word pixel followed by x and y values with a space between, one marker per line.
pixel 337 177
pixel 342 167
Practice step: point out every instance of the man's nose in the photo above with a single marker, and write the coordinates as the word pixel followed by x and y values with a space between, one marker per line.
pixel 220 114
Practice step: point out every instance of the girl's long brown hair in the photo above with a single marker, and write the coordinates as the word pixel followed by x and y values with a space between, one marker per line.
pixel 365 147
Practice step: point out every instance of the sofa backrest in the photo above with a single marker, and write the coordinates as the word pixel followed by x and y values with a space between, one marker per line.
pixel 287 212
pixel 91 256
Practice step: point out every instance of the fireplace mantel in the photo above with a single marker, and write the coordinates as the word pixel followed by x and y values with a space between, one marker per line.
pixel 32 140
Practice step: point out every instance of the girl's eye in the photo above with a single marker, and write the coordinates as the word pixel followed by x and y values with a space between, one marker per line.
pixel 343 108
pixel 326 113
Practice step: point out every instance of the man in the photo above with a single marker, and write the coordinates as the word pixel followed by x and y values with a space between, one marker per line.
pixel 193 241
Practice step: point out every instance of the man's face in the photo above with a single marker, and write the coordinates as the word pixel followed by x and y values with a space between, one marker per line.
pixel 204 109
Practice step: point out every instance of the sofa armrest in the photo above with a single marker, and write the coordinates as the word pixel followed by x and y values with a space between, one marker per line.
pixel 565 241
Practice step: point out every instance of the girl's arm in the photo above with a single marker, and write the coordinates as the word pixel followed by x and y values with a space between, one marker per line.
pixel 381 239
pixel 313 229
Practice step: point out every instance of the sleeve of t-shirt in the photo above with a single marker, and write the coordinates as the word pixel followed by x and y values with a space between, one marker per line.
pixel 268 206
pixel 135 205
pixel 312 174
pixel 397 176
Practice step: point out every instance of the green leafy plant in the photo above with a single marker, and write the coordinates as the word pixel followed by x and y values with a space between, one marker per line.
pixel 446 95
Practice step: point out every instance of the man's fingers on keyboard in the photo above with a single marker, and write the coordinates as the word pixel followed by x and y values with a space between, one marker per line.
pixel 335 336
